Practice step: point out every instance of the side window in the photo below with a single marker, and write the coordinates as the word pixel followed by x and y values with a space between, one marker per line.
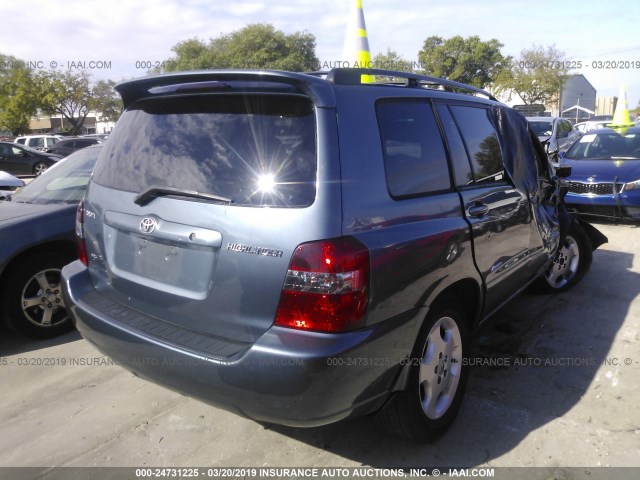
pixel 481 142
pixel 461 167
pixel 415 161
pixel 37 142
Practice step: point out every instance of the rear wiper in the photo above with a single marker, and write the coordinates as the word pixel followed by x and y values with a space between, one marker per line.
pixel 154 192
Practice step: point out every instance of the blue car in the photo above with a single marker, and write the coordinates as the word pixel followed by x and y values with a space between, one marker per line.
pixel 605 174
pixel 37 238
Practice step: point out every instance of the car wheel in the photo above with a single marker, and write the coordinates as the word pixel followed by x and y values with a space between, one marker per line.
pixel 572 262
pixel 32 299
pixel 39 168
pixel 437 378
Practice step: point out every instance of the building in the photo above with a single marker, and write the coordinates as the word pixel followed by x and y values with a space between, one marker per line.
pixel 577 96
pixel 57 124
pixel 577 92
pixel 606 105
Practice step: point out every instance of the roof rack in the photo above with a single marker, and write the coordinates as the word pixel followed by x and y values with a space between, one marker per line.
pixel 352 76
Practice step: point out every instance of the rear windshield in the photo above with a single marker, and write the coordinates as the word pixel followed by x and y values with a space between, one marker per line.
pixel 256 150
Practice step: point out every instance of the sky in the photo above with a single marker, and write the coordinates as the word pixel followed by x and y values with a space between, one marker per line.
pixel 118 39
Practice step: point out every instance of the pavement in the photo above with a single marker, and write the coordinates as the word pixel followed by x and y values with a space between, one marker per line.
pixel 555 384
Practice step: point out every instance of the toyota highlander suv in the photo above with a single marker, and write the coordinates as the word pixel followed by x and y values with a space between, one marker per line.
pixel 302 248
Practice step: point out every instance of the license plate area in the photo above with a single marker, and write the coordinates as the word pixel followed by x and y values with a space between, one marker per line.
pixel 172 266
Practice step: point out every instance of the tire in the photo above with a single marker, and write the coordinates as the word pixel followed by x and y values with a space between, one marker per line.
pixel 32 301
pixel 437 378
pixel 571 264
pixel 39 168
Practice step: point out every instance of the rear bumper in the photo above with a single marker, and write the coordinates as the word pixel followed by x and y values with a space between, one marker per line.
pixel 286 377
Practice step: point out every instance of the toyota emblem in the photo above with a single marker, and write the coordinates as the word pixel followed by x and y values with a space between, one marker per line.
pixel 148 225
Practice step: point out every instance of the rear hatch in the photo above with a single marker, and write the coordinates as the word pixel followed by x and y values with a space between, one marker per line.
pixel 196 205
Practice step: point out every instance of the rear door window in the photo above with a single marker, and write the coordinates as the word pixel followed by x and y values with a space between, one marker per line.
pixel 481 142
pixel 414 155
pixel 459 159
pixel 256 150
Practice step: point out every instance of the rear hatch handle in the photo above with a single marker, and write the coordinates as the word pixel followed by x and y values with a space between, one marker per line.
pixel 152 193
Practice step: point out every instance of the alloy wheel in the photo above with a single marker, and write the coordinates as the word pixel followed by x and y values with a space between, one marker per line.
pixel 42 301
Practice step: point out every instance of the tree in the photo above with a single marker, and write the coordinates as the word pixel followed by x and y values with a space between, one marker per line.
pixel 106 101
pixel 467 60
pixel 192 54
pixel 18 98
pixel 392 60
pixel 258 46
pixel 67 94
pixel 537 76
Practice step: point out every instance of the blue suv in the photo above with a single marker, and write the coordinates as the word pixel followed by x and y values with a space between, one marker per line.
pixel 301 248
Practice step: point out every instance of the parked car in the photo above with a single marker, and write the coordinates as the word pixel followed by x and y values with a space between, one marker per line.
pixel 244 244
pixel 99 136
pixel 68 146
pixel 37 238
pixel 556 134
pixel 21 160
pixel 584 127
pixel 8 184
pixel 39 142
pixel 605 177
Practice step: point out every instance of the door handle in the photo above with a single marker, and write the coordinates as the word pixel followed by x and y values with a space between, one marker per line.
pixel 478 210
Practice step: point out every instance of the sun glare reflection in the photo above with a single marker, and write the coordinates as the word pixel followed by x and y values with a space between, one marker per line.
pixel 266 183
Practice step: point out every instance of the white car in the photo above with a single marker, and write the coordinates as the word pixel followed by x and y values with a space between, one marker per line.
pixel 589 125
pixel 39 142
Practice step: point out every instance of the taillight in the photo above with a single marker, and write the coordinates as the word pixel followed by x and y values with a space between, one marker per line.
pixel 327 287
pixel 82 247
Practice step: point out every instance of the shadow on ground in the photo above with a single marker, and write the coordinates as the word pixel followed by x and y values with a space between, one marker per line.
pixel 565 338
pixel 12 344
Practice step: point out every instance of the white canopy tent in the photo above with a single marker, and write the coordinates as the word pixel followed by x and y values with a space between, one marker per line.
pixel 578 108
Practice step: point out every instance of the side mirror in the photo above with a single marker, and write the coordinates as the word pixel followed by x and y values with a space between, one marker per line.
pixel 562 170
